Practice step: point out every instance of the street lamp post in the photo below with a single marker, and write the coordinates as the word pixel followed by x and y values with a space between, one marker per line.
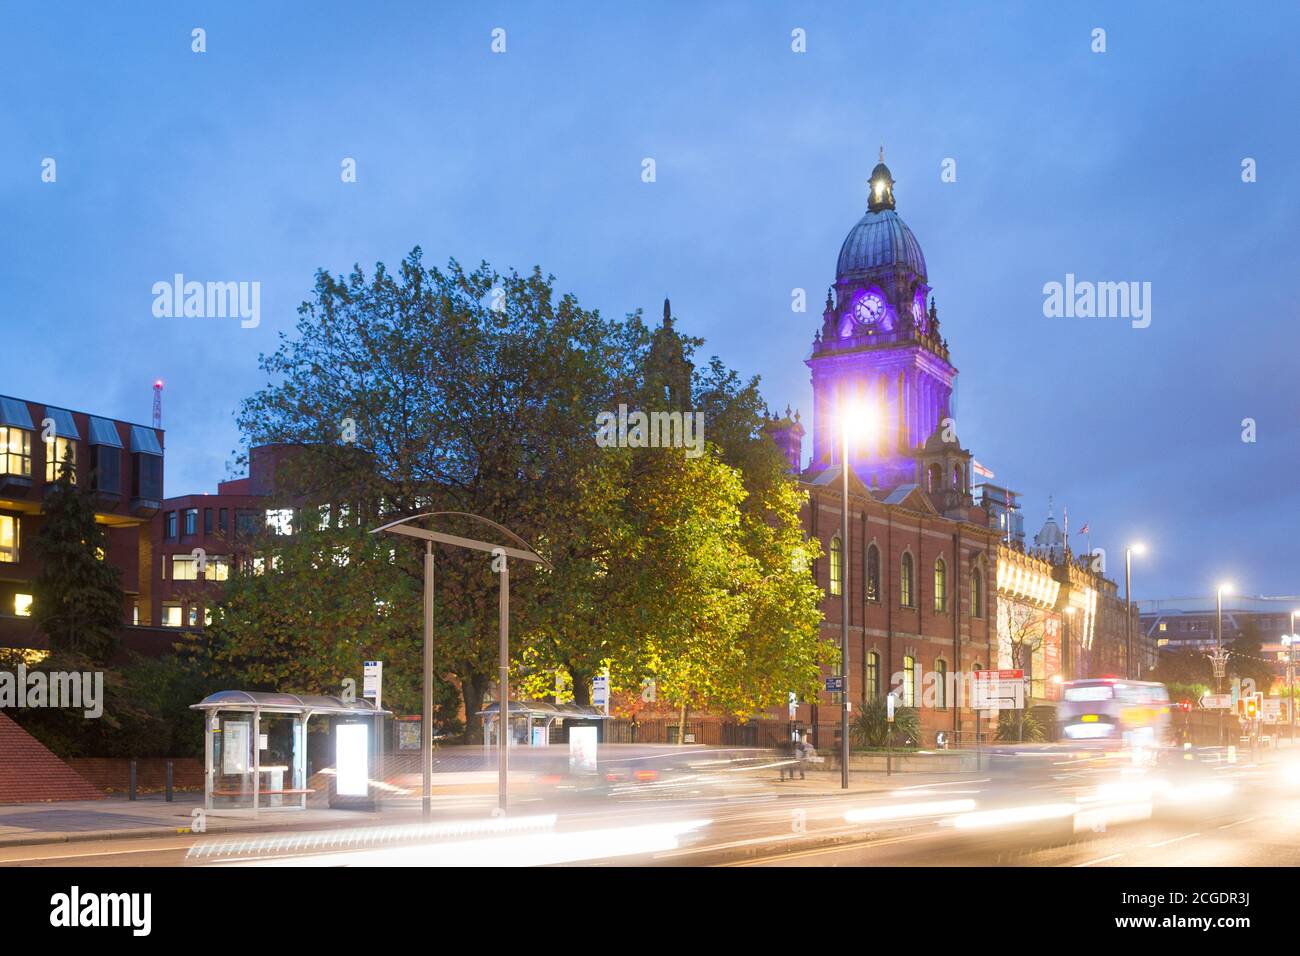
pixel 844 609
pixel 1220 657
pixel 1289 641
pixel 499 553
pixel 860 420
pixel 1128 608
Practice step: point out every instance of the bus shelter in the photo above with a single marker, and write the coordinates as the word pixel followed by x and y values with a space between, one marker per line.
pixel 255 748
pixel 530 721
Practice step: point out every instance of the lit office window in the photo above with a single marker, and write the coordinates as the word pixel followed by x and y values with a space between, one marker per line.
pixel 280 520
pixel 905 581
pixel 171 615
pixel 185 568
pixel 23 605
pixel 60 453
pixel 8 538
pixel 135 614
pixel 909 681
pixel 976 593
pixel 194 615
pixel 15 451
pixel 217 568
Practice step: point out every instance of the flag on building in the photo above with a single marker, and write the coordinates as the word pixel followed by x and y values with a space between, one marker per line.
pixel 981 470
pixel 1084 529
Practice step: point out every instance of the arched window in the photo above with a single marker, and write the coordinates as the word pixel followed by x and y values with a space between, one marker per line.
pixel 934 479
pixel 941 683
pixel 976 592
pixel 837 566
pixel 940 586
pixel 873 573
pixel 872 688
pixel 909 681
pixel 956 477
pixel 905 581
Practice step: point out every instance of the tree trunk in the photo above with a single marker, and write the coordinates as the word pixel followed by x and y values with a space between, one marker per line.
pixel 473 687
pixel 581 686
pixel 681 726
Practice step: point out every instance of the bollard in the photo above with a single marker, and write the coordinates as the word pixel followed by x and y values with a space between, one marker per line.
pixel 169 781
pixel 130 788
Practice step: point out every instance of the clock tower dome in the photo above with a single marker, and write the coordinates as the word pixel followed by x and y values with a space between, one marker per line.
pixel 879 347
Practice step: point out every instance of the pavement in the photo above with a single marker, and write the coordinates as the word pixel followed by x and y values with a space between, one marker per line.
pixel 115 817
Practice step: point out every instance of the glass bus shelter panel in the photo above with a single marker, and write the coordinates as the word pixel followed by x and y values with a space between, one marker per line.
pixel 232 761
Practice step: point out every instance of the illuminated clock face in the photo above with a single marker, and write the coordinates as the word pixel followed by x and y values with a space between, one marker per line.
pixel 870 309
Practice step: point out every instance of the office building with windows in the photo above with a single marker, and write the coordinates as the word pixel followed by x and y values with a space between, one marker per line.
pixel 121 461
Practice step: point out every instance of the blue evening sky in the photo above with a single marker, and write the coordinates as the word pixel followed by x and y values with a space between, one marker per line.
pixel 1117 166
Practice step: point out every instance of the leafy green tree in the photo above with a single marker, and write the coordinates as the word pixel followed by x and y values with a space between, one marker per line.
pixel 458 391
pixel 306 612
pixel 1246 658
pixel 77 597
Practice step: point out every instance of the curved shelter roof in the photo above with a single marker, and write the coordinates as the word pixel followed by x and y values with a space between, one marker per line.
pixel 541 708
pixel 284 703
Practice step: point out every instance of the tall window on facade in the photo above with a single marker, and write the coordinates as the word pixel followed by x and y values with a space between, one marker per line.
pixel 976 593
pixel 15 451
pixel 280 520
pixel 941 683
pixel 60 453
pixel 837 566
pixel 909 681
pixel 185 568
pixel 169 524
pixel 940 586
pixel 207 521
pixel 223 519
pixel 873 573
pixel 8 538
pixel 106 468
pixel 872 688
pixel 191 520
pixel 146 475
pixel 905 581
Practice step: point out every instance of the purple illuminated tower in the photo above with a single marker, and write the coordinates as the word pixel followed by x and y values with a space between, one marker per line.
pixel 879 346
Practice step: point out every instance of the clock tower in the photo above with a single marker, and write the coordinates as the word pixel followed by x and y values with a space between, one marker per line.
pixel 879 348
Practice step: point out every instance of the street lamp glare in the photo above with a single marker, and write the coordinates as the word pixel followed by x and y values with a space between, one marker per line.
pixel 858 420
pixel 1225 587
pixel 1138 547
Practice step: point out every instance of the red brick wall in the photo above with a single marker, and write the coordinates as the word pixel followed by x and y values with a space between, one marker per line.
pixel 29 773
pixel 114 774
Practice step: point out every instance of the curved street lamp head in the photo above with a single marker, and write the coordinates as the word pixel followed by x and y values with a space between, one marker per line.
pixel 1138 548
pixel 1225 587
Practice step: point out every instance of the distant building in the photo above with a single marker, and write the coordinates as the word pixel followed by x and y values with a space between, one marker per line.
pixel 1188 624
pixel 121 461
pixel 198 538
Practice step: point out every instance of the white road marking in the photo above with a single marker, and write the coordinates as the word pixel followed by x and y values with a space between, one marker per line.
pixel 1234 823
pixel 1102 859
pixel 1185 836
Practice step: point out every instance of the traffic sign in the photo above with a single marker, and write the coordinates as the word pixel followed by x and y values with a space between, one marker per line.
pixel 1001 689
pixel 372 681
pixel 889 708
pixel 1216 701
pixel 834 685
